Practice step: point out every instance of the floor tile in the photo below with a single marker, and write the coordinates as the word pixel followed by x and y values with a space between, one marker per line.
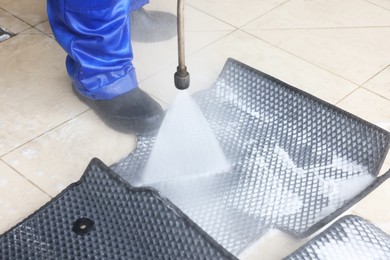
pixel 11 23
pixel 45 27
pixel 31 31
pixel 375 207
pixel 35 91
pixel 372 108
pixel 368 106
pixel 386 164
pixel 59 157
pixel 382 3
pixel 323 14
pixel 380 84
pixel 355 54
pixel 234 12
pixel 49 137
pixel 375 109
pixel 205 66
pixel 201 30
pixel 276 245
pixel 32 12
pixel 18 198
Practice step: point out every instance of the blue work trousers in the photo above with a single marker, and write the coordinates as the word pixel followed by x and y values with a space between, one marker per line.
pixel 96 36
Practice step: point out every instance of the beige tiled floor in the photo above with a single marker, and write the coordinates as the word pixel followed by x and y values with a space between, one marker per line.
pixel 338 51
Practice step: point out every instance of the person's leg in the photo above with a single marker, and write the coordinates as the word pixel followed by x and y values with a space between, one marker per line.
pixel 96 36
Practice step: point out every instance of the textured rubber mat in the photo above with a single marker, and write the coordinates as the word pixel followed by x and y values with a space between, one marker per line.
pixel 351 237
pixel 103 217
pixel 297 162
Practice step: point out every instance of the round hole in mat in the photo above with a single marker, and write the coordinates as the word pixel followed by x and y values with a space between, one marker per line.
pixel 82 226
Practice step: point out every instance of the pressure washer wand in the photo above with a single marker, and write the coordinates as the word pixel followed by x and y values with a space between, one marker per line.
pixel 182 77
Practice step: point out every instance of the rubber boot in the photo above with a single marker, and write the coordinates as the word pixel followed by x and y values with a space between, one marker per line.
pixel 152 26
pixel 96 36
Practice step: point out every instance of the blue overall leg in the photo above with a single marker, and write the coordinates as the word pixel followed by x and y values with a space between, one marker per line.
pixel 96 36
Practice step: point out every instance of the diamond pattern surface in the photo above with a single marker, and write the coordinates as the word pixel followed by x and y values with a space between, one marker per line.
pixel 349 238
pixel 297 162
pixel 127 223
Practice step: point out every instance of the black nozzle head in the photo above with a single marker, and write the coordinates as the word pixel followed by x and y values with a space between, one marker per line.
pixel 182 78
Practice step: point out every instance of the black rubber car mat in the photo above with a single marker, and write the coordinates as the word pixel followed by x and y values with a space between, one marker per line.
pixel 297 161
pixel 350 237
pixel 103 217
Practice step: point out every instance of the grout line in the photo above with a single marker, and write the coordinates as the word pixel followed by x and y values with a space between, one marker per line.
pixel 14 15
pixel 12 32
pixel 175 63
pixel 24 30
pixel 42 134
pixel 301 58
pixel 51 36
pixel 376 5
pixel 229 32
pixel 348 95
pixel 37 33
pixel 203 11
pixel 318 28
pixel 28 180
pixel 375 93
pixel 371 91
pixel 267 12
pixel 46 33
pixel 188 55
pixel 208 31
pixel 208 14
pixel 376 74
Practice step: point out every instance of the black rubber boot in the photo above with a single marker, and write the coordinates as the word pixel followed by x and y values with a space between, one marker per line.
pixel 152 26
pixel 132 112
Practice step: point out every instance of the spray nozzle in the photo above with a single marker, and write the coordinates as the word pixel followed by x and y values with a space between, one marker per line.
pixel 182 78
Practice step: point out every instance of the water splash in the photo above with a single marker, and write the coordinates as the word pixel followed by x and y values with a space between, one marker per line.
pixel 185 146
